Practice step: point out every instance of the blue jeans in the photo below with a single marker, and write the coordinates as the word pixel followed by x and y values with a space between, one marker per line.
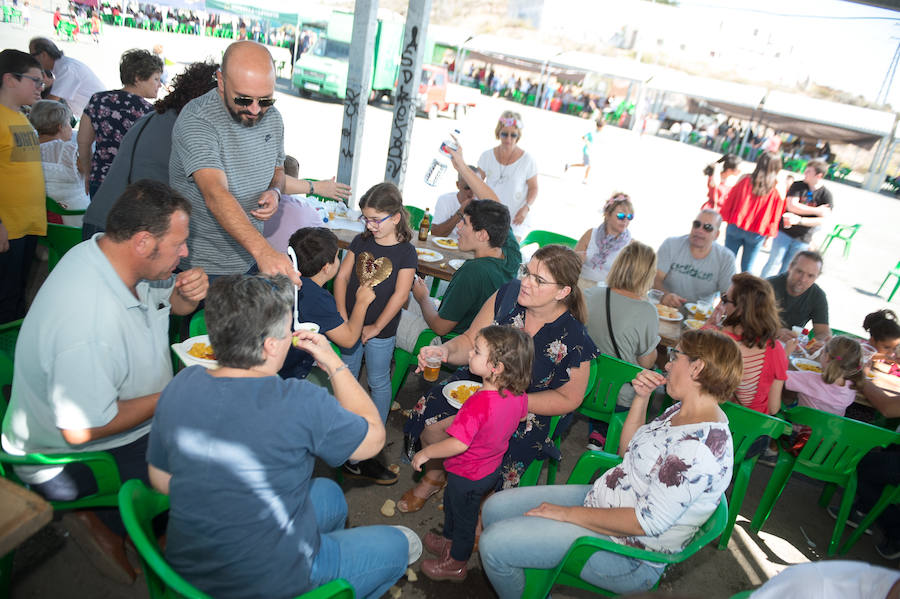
pixel 784 248
pixel 371 558
pixel 511 542
pixel 379 353
pixel 736 238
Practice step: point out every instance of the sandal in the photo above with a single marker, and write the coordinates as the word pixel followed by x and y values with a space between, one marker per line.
pixel 410 502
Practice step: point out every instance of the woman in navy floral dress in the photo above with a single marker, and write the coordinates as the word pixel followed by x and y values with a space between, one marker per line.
pixel 109 115
pixel 671 479
pixel 549 306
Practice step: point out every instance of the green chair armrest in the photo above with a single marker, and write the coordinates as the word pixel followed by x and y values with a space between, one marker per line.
pixel 589 464
pixel 102 465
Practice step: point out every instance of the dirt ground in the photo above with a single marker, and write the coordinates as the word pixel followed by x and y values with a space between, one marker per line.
pixel 52 565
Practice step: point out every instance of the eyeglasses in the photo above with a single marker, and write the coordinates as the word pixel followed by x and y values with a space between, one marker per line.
pixel 509 134
pixel 538 280
pixel 245 101
pixel 374 221
pixel 706 226
pixel 726 299
pixel 38 82
pixel 673 353
pixel 623 216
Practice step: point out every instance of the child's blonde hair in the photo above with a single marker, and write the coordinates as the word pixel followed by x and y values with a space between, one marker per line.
pixel 844 361
pixel 515 350
pixel 386 197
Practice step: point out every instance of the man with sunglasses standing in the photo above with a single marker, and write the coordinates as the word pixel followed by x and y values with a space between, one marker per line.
pixel 228 161
pixel 22 214
pixel 693 267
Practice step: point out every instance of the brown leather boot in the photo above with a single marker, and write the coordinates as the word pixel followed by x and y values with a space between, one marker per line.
pixel 104 548
pixel 445 569
pixel 437 544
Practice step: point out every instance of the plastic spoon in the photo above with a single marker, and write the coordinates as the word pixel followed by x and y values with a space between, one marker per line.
pixel 293 256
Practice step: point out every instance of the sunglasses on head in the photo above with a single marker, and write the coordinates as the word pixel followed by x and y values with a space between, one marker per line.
pixel 706 226
pixel 245 101
pixel 512 134
pixel 623 216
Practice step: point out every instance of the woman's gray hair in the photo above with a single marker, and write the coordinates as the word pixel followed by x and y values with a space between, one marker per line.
pixel 47 116
pixel 242 311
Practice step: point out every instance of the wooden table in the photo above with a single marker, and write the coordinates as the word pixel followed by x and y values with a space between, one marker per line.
pixel 439 270
pixel 22 513
pixel 669 332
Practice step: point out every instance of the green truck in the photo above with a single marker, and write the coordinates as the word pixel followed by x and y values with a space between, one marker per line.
pixel 322 69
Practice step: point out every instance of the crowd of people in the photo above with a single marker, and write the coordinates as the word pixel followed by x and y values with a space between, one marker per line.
pixel 182 193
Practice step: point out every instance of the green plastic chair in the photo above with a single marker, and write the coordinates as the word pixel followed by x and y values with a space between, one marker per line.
pixel 538 583
pixel 543 238
pixel 836 445
pixel 532 474
pixel 138 506
pixel 843 233
pixel 54 207
pixel 743 594
pixel 889 496
pixel 894 272
pixel 746 427
pixel 403 360
pixel 415 216
pixel 197 326
pixel 600 404
pixel 60 239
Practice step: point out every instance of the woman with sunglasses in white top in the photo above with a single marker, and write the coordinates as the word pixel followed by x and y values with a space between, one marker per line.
pixel 599 247
pixel 511 172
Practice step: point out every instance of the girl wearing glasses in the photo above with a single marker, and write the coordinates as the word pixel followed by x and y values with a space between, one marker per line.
pixel 381 256
pixel 599 247
pixel 548 305
pixel 511 172
pixel 670 481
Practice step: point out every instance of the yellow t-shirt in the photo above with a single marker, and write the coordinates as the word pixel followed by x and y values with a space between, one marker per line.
pixel 22 200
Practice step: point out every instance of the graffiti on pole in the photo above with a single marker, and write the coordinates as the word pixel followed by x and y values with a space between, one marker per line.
pixel 397 150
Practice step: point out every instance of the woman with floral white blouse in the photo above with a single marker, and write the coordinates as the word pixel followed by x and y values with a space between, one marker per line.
pixel 673 472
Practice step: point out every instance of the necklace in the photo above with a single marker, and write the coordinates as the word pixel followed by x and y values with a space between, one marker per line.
pixel 504 165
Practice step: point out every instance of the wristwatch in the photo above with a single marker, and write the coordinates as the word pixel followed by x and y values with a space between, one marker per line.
pixel 312 189
pixel 459 215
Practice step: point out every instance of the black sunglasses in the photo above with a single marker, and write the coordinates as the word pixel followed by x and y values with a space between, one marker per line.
pixel 706 226
pixel 245 101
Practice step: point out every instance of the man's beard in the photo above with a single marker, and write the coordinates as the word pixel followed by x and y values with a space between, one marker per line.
pixel 237 114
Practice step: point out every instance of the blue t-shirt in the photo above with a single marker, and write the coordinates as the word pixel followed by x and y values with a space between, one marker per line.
pixel 241 453
pixel 314 304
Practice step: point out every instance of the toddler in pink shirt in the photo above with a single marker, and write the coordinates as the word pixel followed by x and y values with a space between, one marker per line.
pixel 479 437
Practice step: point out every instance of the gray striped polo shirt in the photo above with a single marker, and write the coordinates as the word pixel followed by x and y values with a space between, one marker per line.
pixel 205 136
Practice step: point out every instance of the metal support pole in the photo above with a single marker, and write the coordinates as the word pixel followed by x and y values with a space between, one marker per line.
pixel 359 84
pixel 407 90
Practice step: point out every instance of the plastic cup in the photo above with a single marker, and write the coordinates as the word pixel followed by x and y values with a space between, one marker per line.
pixel 308 326
pixel 432 368
pixel 655 296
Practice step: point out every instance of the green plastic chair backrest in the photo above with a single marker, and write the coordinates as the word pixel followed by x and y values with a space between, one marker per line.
pixel 138 506
pixel 543 238
pixel 748 425
pixel 61 238
pixel 611 374
pixel 54 207
pixel 836 444
pixel 415 216
pixel 197 325
pixel 9 333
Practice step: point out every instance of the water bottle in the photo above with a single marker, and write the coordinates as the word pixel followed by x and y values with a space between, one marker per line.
pixel 441 162
pixel 323 213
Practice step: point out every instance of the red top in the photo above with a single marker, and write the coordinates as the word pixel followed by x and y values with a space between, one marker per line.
pixel 761 369
pixel 753 213
pixel 485 423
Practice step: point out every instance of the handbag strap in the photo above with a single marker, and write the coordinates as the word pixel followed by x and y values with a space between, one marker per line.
pixel 612 337
pixel 134 147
